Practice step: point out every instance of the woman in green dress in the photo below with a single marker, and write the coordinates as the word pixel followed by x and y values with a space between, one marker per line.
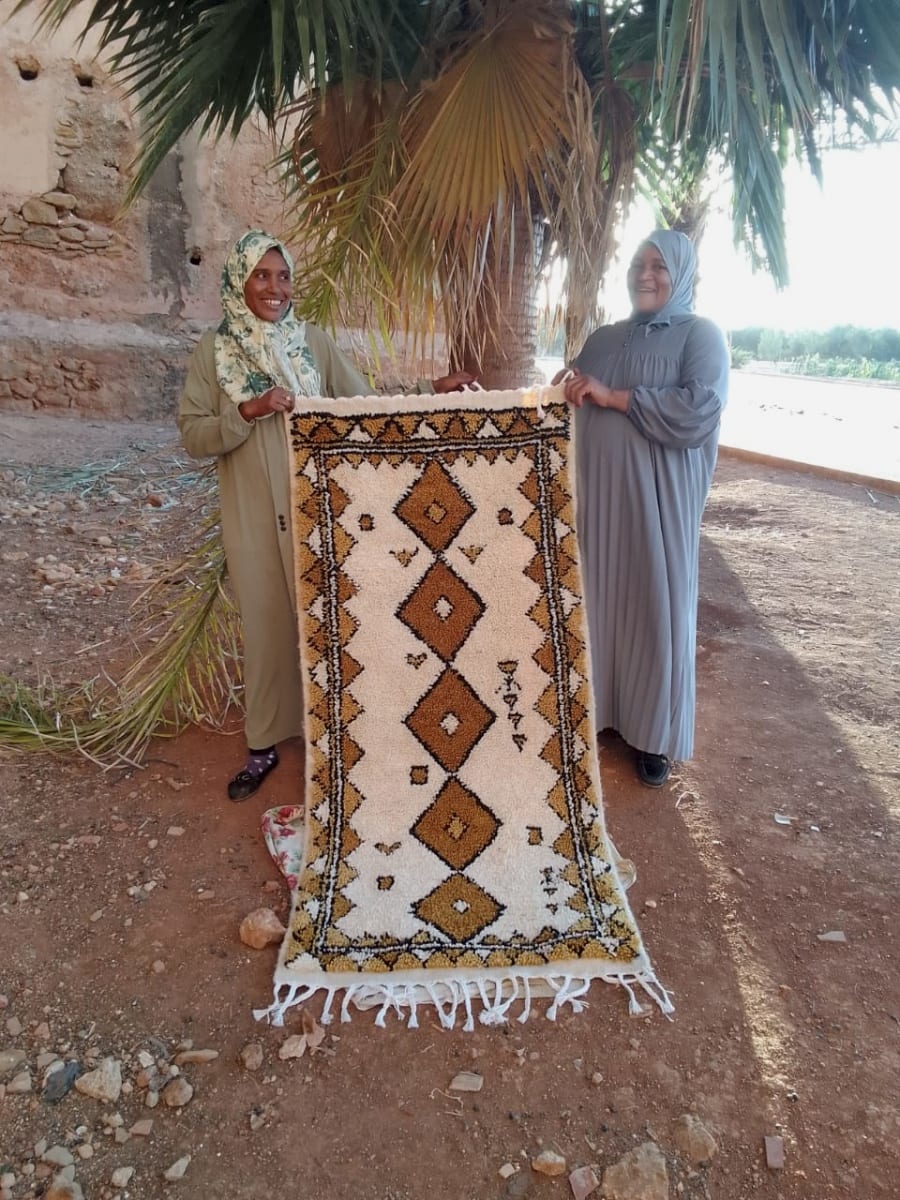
pixel 243 376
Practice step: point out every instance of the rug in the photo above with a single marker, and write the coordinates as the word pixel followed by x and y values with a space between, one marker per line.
pixel 454 850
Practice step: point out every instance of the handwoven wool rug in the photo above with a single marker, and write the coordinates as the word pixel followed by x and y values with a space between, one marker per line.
pixel 455 851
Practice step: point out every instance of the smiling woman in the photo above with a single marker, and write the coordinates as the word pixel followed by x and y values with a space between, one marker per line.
pixel 251 369
pixel 649 392
pixel 268 288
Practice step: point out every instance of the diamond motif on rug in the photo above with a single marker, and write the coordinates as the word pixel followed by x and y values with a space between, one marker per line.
pixel 449 720
pixel 435 508
pixel 457 826
pixel 459 908
pixel 442 610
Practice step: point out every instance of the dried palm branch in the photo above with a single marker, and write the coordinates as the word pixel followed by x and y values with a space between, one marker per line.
pixel 187 671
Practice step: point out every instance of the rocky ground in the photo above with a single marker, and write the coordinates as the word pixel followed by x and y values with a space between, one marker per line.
pixel 130 1063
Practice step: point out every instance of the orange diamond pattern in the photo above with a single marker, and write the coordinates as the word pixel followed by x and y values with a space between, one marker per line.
pixel 442 610
pixel 449 720
pixel 459 908
pixel 457 827
pixel 435 508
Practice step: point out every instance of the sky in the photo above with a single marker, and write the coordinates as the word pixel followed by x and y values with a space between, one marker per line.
pixel 843 251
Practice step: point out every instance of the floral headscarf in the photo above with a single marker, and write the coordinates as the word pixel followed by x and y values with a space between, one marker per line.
pixel 253 355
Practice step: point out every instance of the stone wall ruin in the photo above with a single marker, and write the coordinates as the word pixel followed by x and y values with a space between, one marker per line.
pixel 100 307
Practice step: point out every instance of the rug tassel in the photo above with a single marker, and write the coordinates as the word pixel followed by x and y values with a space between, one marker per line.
pixel 439 1007
pixel 470 1020
pixel 389 1000
pixel 526 1011
pixel 345 1006
pixel 659 996
pixel 633 1007
pixel 413 1022
pixel 326 1018
pixel 560 991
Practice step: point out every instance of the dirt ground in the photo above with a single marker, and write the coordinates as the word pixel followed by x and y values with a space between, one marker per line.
pixel 119 935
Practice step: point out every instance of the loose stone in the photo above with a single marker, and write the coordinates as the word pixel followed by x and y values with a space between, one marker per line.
pixel 10 1059
pixel 195 1056
pixel 693 1139
pixel 103 1084
pixel 261 928
pixel 177 1093
pixel 549 1163
pixel 58 1083
pixel 58 1156
pixel 177 1169
pixel 252 1056
pixel 641 1174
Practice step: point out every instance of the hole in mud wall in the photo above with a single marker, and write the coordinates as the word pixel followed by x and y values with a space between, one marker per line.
pixel 85 78
pixel 29 67
pixel 195 258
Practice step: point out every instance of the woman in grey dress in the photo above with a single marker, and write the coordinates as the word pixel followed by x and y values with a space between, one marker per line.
pixel 649 393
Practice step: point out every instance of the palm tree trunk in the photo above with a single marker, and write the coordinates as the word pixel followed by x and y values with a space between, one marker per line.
pixel 497 339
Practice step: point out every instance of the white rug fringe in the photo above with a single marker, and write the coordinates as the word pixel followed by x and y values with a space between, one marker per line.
pixel 453 998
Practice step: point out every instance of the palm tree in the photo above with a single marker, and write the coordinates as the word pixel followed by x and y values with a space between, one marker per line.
pixel 443 152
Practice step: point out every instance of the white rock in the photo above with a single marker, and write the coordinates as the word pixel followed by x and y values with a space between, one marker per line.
pixel 177 1169
pixel 121 1177
pixel 467 1081
pixel 58 1156
pixel 507 1170
pixel 103 1084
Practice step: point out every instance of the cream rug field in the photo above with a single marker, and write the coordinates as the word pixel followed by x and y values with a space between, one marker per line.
pixel 454 847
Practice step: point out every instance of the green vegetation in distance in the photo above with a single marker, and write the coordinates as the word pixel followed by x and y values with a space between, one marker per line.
pixel 843 352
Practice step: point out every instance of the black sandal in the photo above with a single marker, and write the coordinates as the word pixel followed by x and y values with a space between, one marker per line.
pixel 246 782
pixel 653 769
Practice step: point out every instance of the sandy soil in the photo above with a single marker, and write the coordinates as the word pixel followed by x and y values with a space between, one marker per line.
pixel 777 1032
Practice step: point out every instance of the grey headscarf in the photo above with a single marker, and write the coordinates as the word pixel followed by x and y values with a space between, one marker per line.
pixel 677 251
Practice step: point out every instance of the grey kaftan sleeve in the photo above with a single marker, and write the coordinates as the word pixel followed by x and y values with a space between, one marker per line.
pixel 204 429
pixel 686 414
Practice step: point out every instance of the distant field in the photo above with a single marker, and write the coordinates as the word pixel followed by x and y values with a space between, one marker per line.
pixel 842 424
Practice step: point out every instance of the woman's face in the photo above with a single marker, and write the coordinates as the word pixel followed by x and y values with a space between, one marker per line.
pixel 268 290
pixel 649 281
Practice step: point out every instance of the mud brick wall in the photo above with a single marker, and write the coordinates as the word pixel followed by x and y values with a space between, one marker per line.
pixel 100 304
